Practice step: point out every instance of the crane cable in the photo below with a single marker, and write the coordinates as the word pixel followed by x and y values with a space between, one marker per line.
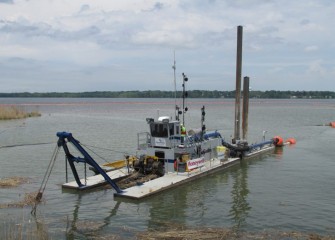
pixel 89 147
pixel 45 179
pixel 24 144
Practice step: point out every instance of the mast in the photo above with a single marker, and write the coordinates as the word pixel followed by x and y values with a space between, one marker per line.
pixel 185 79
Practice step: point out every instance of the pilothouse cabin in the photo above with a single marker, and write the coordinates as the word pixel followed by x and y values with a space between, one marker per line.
pixel 161 141
pixel 165 141
pixel 165 134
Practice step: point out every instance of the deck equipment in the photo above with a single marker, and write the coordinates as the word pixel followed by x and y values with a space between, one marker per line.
pixel 63 136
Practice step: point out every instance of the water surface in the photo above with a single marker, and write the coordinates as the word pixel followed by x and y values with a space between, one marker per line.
pixel 290 190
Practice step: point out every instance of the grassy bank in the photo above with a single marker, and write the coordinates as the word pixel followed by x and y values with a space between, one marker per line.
pixel 14 112
pixel 19 230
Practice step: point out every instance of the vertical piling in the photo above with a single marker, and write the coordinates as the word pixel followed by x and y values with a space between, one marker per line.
pixel 245 111
pixel 238 83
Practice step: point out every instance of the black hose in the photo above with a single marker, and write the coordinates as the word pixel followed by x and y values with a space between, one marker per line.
pixel 235 148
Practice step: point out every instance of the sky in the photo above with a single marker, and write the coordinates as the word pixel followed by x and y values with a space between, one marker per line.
pixel 113 45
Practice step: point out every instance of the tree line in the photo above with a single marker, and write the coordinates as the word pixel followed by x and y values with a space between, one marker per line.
pixel 171 94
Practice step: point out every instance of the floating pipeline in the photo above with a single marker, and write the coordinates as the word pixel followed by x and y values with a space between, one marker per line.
pixel 279 142
pixel 245 148
pixel 235 147
pixel 331 124
pixel 241 148
pixel 290 141
pixel 257 145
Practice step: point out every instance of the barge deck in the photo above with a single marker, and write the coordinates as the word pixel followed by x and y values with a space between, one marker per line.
pixel 174 179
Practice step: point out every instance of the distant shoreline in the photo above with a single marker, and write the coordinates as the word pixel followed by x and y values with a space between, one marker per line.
pixel 171 94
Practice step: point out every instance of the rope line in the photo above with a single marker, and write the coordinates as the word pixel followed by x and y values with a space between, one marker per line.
pixel 101 148
pixel 107 149
pixel 45 179
pixel 52 161
pixel 25 144
pixel 94 152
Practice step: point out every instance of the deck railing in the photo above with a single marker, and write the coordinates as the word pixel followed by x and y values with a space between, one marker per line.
pixel 143 140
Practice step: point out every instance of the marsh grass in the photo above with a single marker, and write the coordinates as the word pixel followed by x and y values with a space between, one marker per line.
pixel 22 229
pixel 28 200
pixel 12 182
pixel 222 233
pixel 15 112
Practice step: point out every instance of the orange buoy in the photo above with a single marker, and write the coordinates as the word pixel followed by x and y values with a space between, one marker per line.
pixel 332 124
pixel 278 141
pixel 290 141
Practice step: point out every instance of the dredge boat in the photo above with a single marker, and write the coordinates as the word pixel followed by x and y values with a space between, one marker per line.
pixel 166 159
pixel 167 156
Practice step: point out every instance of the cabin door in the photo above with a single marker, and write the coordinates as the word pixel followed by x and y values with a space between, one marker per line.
pixel 161 157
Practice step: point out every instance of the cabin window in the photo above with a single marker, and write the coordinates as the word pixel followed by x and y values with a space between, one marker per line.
pixel 171 126
pixel 159 130
pixel 177 129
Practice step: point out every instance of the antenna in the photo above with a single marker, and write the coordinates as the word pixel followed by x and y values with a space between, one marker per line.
pixel 175 87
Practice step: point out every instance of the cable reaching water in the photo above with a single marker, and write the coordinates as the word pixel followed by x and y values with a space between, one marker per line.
pixel 45 179
pixel 49 170
pixel 25 144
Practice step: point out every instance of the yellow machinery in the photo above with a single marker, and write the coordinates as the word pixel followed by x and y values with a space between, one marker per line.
pixel 149 165
pixel 120 163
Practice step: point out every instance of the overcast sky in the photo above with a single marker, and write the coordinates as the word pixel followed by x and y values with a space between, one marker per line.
pixel 114 45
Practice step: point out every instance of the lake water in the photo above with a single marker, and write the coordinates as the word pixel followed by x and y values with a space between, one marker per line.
pixel 290 190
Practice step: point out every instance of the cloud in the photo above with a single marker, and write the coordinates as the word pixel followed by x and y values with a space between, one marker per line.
pixel 316 67
pixel 81 40
pixel 311 48
pixel 84 8
pixel 7 1
pixel 33 30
